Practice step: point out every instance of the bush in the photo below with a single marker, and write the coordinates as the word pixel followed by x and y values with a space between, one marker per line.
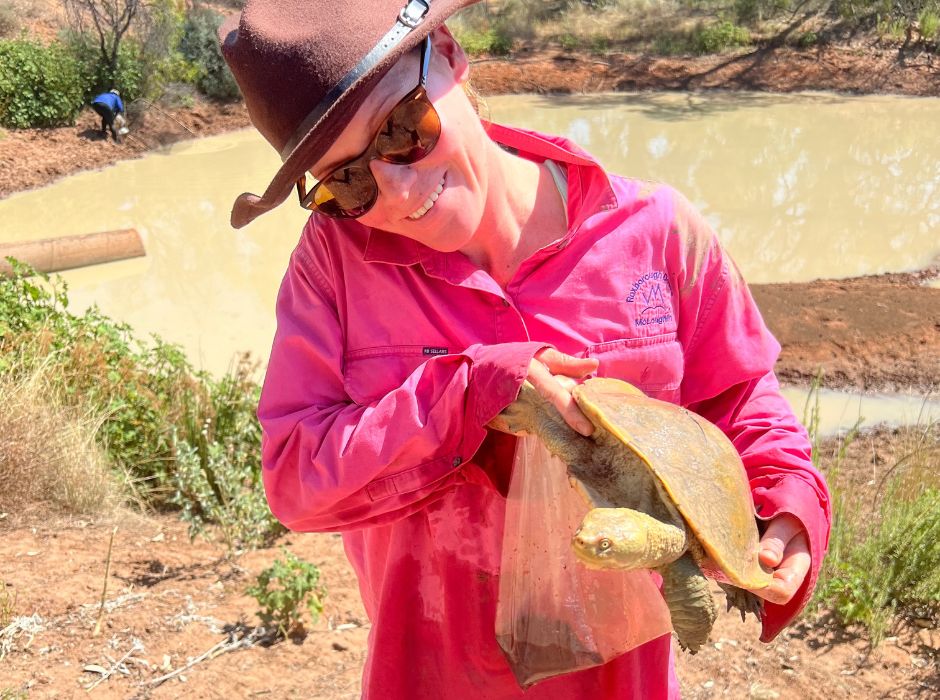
pixel 95 75
pixel 807 39
pixel 182 437
pixel 282 589
pixel 898 536
pixel 493 41
pixel 218 473
pixel 929 24
pixel 200 46
pixel 39 85
pixel 903 546
pixel 718 37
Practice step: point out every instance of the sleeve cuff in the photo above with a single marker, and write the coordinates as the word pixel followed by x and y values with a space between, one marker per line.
pixel 496 375
pixel 778 494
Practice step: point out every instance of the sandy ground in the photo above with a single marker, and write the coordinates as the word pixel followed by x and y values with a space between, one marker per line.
pixel 177 600
pixel 170 601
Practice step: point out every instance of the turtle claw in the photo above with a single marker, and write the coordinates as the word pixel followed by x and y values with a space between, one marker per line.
pixel 745 601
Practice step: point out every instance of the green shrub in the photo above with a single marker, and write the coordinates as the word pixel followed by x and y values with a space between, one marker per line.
pixel 182 437
pixel 718 37
pixel 493 41
pixel 898 536
pixel 568 41
pixel 599 44
pixel 39 85
pixel 282 589
pixel 95 75
pixel 200 46
pixel 903 546
pixel 929 24
pixel 807 39
pixel 217 478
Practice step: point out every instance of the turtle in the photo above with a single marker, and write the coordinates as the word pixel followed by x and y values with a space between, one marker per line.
pixel 667 491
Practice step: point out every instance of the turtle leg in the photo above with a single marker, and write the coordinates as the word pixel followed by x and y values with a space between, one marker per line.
pixel 690 602
pixel 743 600
pixel 532 414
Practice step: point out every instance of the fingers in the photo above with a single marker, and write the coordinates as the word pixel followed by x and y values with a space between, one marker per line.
pixel 553 392
pixel 567 365
pixel 788 578
pixel 785 549
pixel 780 531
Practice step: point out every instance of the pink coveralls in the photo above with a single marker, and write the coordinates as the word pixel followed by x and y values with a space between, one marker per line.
pixel 390 358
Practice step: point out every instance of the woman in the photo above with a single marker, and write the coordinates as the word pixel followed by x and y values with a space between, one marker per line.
pixel 447 260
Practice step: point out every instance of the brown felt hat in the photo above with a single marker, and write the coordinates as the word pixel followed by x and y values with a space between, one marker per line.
pixel 305 66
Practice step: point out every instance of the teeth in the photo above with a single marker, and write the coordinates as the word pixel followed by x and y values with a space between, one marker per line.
pixel 428 203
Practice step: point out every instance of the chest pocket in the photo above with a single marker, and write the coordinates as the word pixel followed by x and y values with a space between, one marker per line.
pixel 371 373
pixel 654 365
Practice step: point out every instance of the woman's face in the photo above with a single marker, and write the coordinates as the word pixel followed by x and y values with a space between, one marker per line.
pixel 439 200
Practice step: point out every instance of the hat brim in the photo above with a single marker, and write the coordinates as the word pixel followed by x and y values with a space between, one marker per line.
pixel 312 146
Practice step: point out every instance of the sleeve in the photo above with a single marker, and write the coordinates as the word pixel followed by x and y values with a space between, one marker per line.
pixel 729 356
pixel 775 450
pixel 331 464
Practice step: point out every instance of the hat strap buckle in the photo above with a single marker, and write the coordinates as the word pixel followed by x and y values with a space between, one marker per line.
pixel 413 13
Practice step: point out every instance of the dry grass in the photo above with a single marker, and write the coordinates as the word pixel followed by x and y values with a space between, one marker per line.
pixel 48 454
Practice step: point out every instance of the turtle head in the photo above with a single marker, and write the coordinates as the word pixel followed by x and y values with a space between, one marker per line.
pixel 622 538
pixel 609 538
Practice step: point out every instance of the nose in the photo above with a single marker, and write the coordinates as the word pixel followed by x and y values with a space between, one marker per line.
pixel 395 182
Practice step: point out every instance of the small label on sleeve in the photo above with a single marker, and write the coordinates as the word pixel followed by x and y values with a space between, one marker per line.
pixel 435 351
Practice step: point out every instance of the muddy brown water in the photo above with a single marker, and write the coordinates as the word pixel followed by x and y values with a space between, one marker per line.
pixel 798 186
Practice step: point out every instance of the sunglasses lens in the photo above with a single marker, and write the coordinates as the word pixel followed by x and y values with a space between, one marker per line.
pixel 346 193
pixel 410 131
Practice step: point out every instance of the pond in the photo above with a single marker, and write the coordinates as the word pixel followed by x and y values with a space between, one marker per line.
pixel 798 186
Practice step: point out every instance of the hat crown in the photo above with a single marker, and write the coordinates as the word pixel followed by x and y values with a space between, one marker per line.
pixel 286 55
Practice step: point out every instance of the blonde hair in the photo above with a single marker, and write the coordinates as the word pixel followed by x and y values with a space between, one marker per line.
pixel 476 100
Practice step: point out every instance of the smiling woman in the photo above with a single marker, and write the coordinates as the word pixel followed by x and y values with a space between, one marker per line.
pixel 446 261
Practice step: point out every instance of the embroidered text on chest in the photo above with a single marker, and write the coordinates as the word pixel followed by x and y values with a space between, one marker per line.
pixel 651 298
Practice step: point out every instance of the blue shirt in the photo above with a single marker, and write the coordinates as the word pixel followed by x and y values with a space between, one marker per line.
pixel 113 101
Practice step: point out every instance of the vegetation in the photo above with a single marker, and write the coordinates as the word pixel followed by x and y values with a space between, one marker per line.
pixel 39 85
pixel 200 47
pixel 7 605
pixel 693 26
pixel 172 435
pixel 284 589
pixel 139 48
pixel 896 534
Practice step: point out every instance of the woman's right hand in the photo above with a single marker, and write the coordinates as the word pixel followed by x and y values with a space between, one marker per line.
pixel 552 373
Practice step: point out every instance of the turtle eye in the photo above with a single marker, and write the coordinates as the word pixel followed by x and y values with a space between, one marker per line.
pixel 604 544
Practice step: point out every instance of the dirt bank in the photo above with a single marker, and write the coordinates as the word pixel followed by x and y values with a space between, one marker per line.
pixel 875 333
pixel 879 333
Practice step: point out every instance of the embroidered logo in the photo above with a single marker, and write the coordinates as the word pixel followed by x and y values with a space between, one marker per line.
pixel 434 351
pixel 652 299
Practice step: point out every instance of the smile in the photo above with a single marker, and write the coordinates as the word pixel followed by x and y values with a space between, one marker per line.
pixel 428 203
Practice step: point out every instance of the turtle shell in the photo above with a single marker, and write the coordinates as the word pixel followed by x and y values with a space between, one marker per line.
pixel 698 467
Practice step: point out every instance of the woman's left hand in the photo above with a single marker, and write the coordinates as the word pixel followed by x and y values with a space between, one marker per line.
pixel 784 548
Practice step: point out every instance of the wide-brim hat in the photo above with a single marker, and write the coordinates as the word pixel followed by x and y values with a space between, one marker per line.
pixel 305 66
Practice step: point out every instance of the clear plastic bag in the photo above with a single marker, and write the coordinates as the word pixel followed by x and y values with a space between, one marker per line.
pixel 554 615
